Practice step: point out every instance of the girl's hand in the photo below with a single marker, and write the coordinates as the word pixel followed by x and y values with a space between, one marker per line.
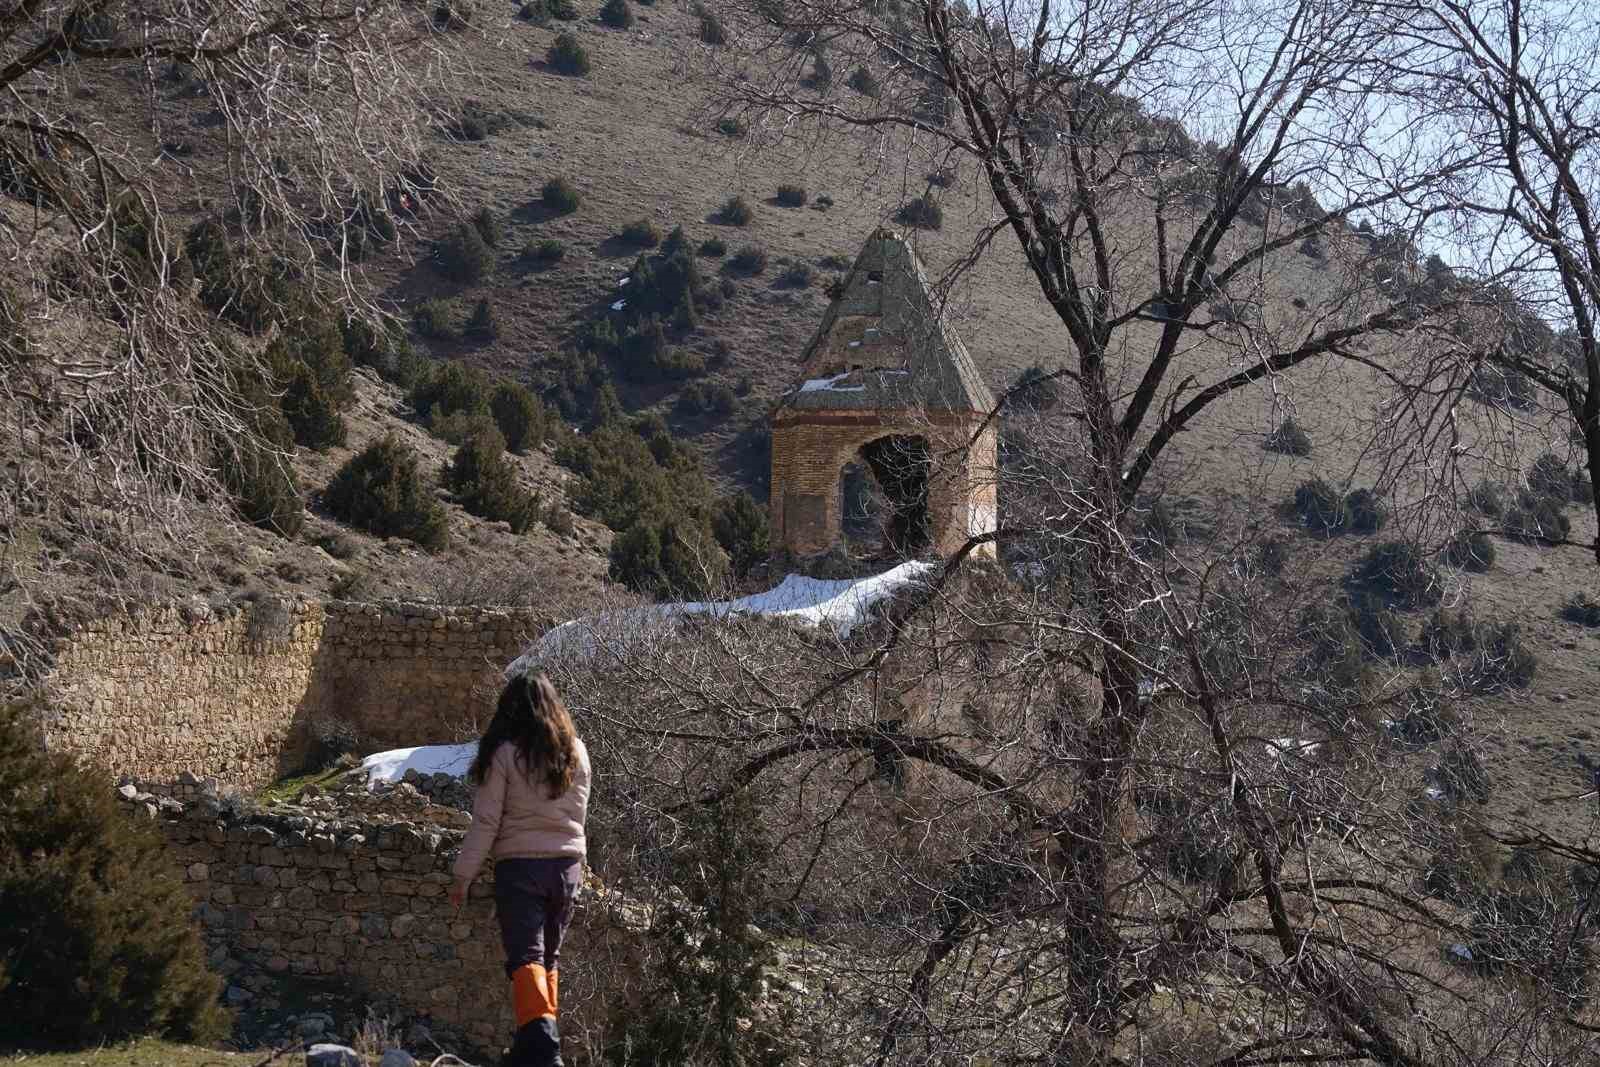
pixel 458 896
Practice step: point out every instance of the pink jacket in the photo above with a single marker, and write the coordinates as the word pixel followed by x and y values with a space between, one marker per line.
pixel 514 816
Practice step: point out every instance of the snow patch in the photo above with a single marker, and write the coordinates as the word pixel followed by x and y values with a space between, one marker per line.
pixel 392 766
pixel 839 605
pixel 813 385
pixel 619 305
pixel 1298 747
pixel 623 282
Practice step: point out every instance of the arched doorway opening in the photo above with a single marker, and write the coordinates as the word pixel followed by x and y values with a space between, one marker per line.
pixel 884 497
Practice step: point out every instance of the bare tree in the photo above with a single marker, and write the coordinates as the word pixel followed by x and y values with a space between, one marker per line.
pixel 1155 253
pixel 295 130
pixel 1301 869
pixel 1511 84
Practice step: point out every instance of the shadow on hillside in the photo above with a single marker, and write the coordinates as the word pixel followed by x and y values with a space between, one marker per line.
pixel 535 212
pixel 617 247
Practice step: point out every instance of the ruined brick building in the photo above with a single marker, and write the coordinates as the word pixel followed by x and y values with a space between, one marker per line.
pixel 885 383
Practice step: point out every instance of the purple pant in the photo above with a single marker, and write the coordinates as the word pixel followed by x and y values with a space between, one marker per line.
pixel 533 901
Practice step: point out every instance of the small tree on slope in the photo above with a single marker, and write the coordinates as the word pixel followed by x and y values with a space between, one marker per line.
pixel 97 943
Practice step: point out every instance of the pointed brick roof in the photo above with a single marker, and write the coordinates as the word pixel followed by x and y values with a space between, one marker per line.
pixel 883 345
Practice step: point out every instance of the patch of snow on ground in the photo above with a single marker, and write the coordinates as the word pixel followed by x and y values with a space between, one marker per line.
pixel 838 604
pixel 392 766
pixel 619 305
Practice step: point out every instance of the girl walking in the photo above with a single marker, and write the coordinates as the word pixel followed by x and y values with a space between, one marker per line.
pixel 532 778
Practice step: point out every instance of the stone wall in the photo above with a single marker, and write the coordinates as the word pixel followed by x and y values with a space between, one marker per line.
pixel 810 451
pixel 243 694
pixel 284 894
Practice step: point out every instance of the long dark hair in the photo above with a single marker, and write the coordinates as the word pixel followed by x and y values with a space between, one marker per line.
pixel 531 716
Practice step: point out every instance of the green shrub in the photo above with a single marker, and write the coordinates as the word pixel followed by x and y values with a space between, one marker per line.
pixel 792 195
pixel 1461 775
pixel 1582 609
pixel 667 557
pixel 1319 506
pixel 711 29
pixel 617 14
pixel 1488 498
pixel 437 320
pixel 701 998
pixel 863 82
pixel 737 212
pixel 1399 571
pixel 731 126
pixel 488 225
pixel 453 14
pixel 1471 550
pixel 481 324
pixel 641 233
pixel 458 426
pixel 310 411
pixel 1365 511
pixel 924 213
pixel 464 255
pixel 1549 476
pixel 1382 632
pixel 381 490
pixel 98 940
pixel 1501 661
pixel 254 468
pixel 1533 519
pixel 751 259
pixel 250 291
pixel 741 528
pixel 677 241
pixel 485 483
pixel 568 56
pixel 714 247
pixel 548 250
pixel 518 415
pixel 1272 555
pixel 797 275
pixel 310 365
pixel 1289 439
pixel 1448 634
pixel 821 75
pixel 700 398
pixel 385 348
pixel 450 388
pixel 542 11
pixel 561 196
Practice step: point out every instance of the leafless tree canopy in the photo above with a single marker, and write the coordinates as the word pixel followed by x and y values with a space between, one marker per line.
pixel 1083 807
pixel 1511 84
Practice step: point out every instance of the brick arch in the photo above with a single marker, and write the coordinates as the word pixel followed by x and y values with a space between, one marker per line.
pixel 810 451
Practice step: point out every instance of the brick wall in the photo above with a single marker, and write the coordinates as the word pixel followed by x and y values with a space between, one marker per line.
pixel 809 453
pixel 240 694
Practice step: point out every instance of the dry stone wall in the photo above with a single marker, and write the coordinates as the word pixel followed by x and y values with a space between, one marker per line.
pixel 364 903
pixel 243 694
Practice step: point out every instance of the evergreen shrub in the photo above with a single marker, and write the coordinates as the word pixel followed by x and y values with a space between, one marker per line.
pixel 98 943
